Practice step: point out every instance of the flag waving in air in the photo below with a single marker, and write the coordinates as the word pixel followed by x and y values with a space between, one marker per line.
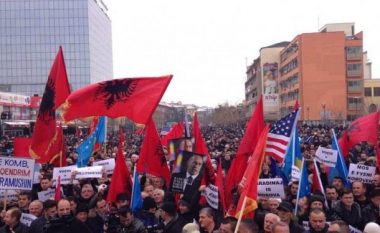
pixel 246 148
pixel 135 98
pixel 57 89
pixel 86 149
pixel 152 158
pixel 121 179
pixel 247 202
pixel 279 136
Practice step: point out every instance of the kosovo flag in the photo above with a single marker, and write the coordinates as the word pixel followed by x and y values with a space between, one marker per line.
pixel 86 149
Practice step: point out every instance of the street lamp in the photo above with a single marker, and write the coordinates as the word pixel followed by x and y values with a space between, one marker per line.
pixel 308 109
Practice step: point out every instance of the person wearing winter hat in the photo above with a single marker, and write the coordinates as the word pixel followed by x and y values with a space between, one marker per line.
pixel 371 228
pixel 82 212
pixel 147 215
pixel 185 211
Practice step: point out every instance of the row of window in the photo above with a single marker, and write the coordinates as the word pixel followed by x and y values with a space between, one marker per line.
pixel 289 51
pixel 289 82
pixel 369 91
pixel 289 67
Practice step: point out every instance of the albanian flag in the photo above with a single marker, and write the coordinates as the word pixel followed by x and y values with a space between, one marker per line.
pixel 135 98
pixel 45 131
pixel 152 158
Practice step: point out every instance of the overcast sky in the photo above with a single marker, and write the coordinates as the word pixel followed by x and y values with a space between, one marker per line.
pixel 205 43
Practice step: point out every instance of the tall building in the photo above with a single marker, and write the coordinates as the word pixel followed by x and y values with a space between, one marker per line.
pixel 31 32
pixel 324 72
pixel 371 95
pixel 262 79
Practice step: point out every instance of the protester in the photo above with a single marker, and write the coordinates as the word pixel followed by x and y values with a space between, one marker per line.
pixel 12 222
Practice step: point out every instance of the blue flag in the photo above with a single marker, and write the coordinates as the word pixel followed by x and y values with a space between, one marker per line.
pixel 304 185
pixel 86 149
pixel 293 157
pixel 340 168
pixel 136 202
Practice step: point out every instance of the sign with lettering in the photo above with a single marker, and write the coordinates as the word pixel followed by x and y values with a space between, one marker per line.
pixel 212 196
pixel 12 195
pixel 360 172
pixel 64 173
pixel 27 219
pixel 37 168
pixel 16 173
pixel 46 195
pixel 271 188
pixel 326 156
pixel 89 172
pixel 108 165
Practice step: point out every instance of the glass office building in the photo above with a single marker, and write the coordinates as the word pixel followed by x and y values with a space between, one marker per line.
pixel 31 32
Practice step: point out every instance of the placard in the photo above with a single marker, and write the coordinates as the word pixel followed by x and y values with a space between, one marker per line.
pixel 212 196
pixel 64 172
pixel 12 195
pixel 89 172
pixel 27 219
pixel 46 195
pixel 271 188
pixel 108 165
pixel 16 173
pixel 360 172
pixel 326 156
pixel 37 168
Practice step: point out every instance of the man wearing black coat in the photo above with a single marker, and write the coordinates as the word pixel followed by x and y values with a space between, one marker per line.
pixel 285 212
pixel 66 222
pixel 50 211
pixel 172 223
pixel 12 222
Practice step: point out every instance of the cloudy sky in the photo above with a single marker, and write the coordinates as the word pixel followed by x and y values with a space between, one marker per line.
pixel 205 44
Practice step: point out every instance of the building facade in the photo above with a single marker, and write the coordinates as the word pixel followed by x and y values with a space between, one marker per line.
pixel 371 95
pixel 324 72
pixel 31 32
pixel 263 80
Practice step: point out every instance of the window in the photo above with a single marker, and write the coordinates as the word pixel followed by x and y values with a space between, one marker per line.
pixel 376 91
pixel 353 67
pixel 367 91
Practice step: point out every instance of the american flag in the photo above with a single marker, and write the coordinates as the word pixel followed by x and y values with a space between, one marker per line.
pixel 279 136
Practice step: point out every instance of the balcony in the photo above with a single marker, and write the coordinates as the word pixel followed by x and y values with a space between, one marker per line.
pixel 354 56
pixel 353 73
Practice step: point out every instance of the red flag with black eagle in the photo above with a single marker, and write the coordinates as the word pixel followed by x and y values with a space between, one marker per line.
pixel 175 132
pixel 246 148
pixel 365 128
pixel 57 89
pixel 121 181
pixel 152 158
pixel 135 98
pixel 58 150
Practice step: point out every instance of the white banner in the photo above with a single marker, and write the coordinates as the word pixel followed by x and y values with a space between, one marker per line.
pixel 46 195
pixel 363 173
pixel 296 173
pixel 64 172
pixel 89 172
pixel 37 168
pixel 212 196
pixel 27 219
pixel 16 173
pixel 108 165
pixel 12 195
pixel 326 156
pixel 271 188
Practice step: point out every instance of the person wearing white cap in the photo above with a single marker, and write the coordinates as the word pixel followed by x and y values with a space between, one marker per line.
pixel 371 228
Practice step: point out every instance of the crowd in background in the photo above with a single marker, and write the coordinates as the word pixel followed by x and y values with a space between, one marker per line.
pixel 85 209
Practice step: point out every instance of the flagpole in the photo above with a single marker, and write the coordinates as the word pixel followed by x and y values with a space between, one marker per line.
pixel 241 214
pixel 5 199
pixel 320 182
pixel 133 186
pixel 299 187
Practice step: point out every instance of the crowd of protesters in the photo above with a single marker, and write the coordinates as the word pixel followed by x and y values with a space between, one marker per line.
pixel 84 207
